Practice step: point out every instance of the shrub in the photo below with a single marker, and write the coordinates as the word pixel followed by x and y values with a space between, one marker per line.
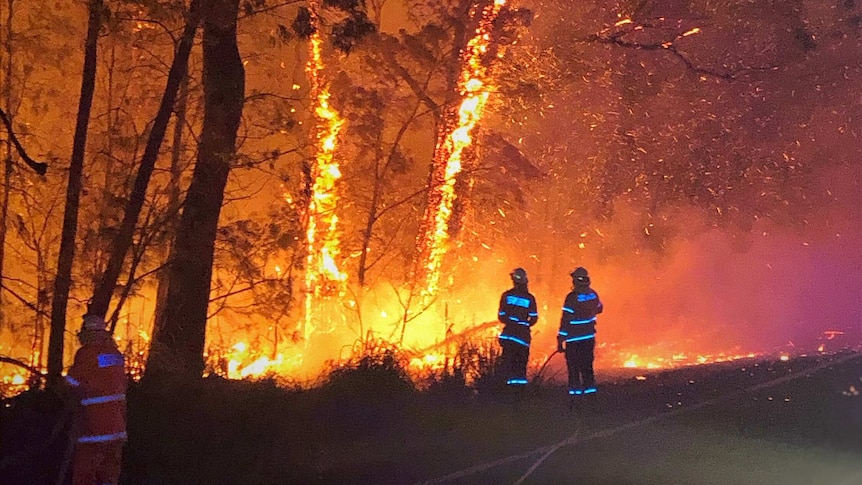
pixel 367 392
pixel 470 366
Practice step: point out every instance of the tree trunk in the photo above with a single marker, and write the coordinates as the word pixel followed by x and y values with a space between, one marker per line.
pixel 7 165
pixel 178 346
pixel 123 240
pixel 63 281
pixel 425 267
pixel 173 205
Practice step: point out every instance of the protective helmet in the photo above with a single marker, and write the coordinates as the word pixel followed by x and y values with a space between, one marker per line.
pixel 519 275
pixel 93 323
pixel 580 276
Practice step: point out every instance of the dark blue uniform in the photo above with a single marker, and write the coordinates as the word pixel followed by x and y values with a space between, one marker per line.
pixel 518 313
pixel 578 331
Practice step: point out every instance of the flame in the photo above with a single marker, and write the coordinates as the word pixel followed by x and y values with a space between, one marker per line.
pixel 427 362
pixel 681 359
pixel 13 383
pixel 454 137
pixel 634 362
pixel 322 275
pixel 244 362
pixel 693 31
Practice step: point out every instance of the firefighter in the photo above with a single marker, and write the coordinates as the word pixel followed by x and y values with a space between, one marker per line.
pixel 98 379
pixel 577 335
pixel 518 313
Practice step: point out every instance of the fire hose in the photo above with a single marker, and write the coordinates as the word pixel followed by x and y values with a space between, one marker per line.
pixel 542 369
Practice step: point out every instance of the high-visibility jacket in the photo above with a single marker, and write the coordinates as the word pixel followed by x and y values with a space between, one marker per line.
pixel 98 375
pixel 579 314
pixel 518 313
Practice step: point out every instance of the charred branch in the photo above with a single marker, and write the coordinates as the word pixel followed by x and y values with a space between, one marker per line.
pixel 618 39
pixel 24 301
pixel 18 363
pixel 38 167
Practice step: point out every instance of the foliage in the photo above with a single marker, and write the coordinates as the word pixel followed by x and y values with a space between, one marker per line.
pixel 368 392
pixel 469 369
pixel 376 371
pixel 265 427
pixel 351 25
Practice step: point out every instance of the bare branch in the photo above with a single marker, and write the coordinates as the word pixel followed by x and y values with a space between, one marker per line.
pixel 23 300
pixel 16 362
pixel 38 167
pixel 616 38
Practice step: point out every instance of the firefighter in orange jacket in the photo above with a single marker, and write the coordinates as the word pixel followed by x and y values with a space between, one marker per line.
pixel 99 379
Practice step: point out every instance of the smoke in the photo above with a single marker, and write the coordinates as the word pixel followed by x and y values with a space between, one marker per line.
pixel 713 296
pixel 706 289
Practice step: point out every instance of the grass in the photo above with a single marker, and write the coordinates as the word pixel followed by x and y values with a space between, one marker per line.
pixel 368 421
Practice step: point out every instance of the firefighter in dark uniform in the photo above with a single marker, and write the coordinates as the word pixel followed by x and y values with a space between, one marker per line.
pixel 518 313
pixel 577 335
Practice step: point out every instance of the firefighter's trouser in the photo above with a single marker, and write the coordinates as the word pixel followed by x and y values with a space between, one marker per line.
pixel 514 362
pixel 579 361
pixel 97 463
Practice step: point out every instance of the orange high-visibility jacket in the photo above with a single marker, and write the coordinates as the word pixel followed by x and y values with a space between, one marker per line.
pixel 98 374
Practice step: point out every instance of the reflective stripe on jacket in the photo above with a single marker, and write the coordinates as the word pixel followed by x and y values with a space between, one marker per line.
pixel 579 314
pixel 518 313
pixel 99 378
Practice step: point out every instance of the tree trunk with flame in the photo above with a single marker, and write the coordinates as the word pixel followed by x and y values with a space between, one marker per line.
pixel 322 275
pixel 179 343
pixel 453 141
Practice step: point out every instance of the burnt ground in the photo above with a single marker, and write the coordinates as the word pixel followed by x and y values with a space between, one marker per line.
pixel 745 422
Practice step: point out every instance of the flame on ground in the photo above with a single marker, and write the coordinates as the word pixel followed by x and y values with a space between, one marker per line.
pixel 657 361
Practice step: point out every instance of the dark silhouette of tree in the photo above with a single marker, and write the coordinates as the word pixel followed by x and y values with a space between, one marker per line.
pixel 178 343
pixel 66 256
pixel 123 239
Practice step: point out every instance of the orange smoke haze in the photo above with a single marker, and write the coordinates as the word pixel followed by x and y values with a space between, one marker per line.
pixel 705 298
